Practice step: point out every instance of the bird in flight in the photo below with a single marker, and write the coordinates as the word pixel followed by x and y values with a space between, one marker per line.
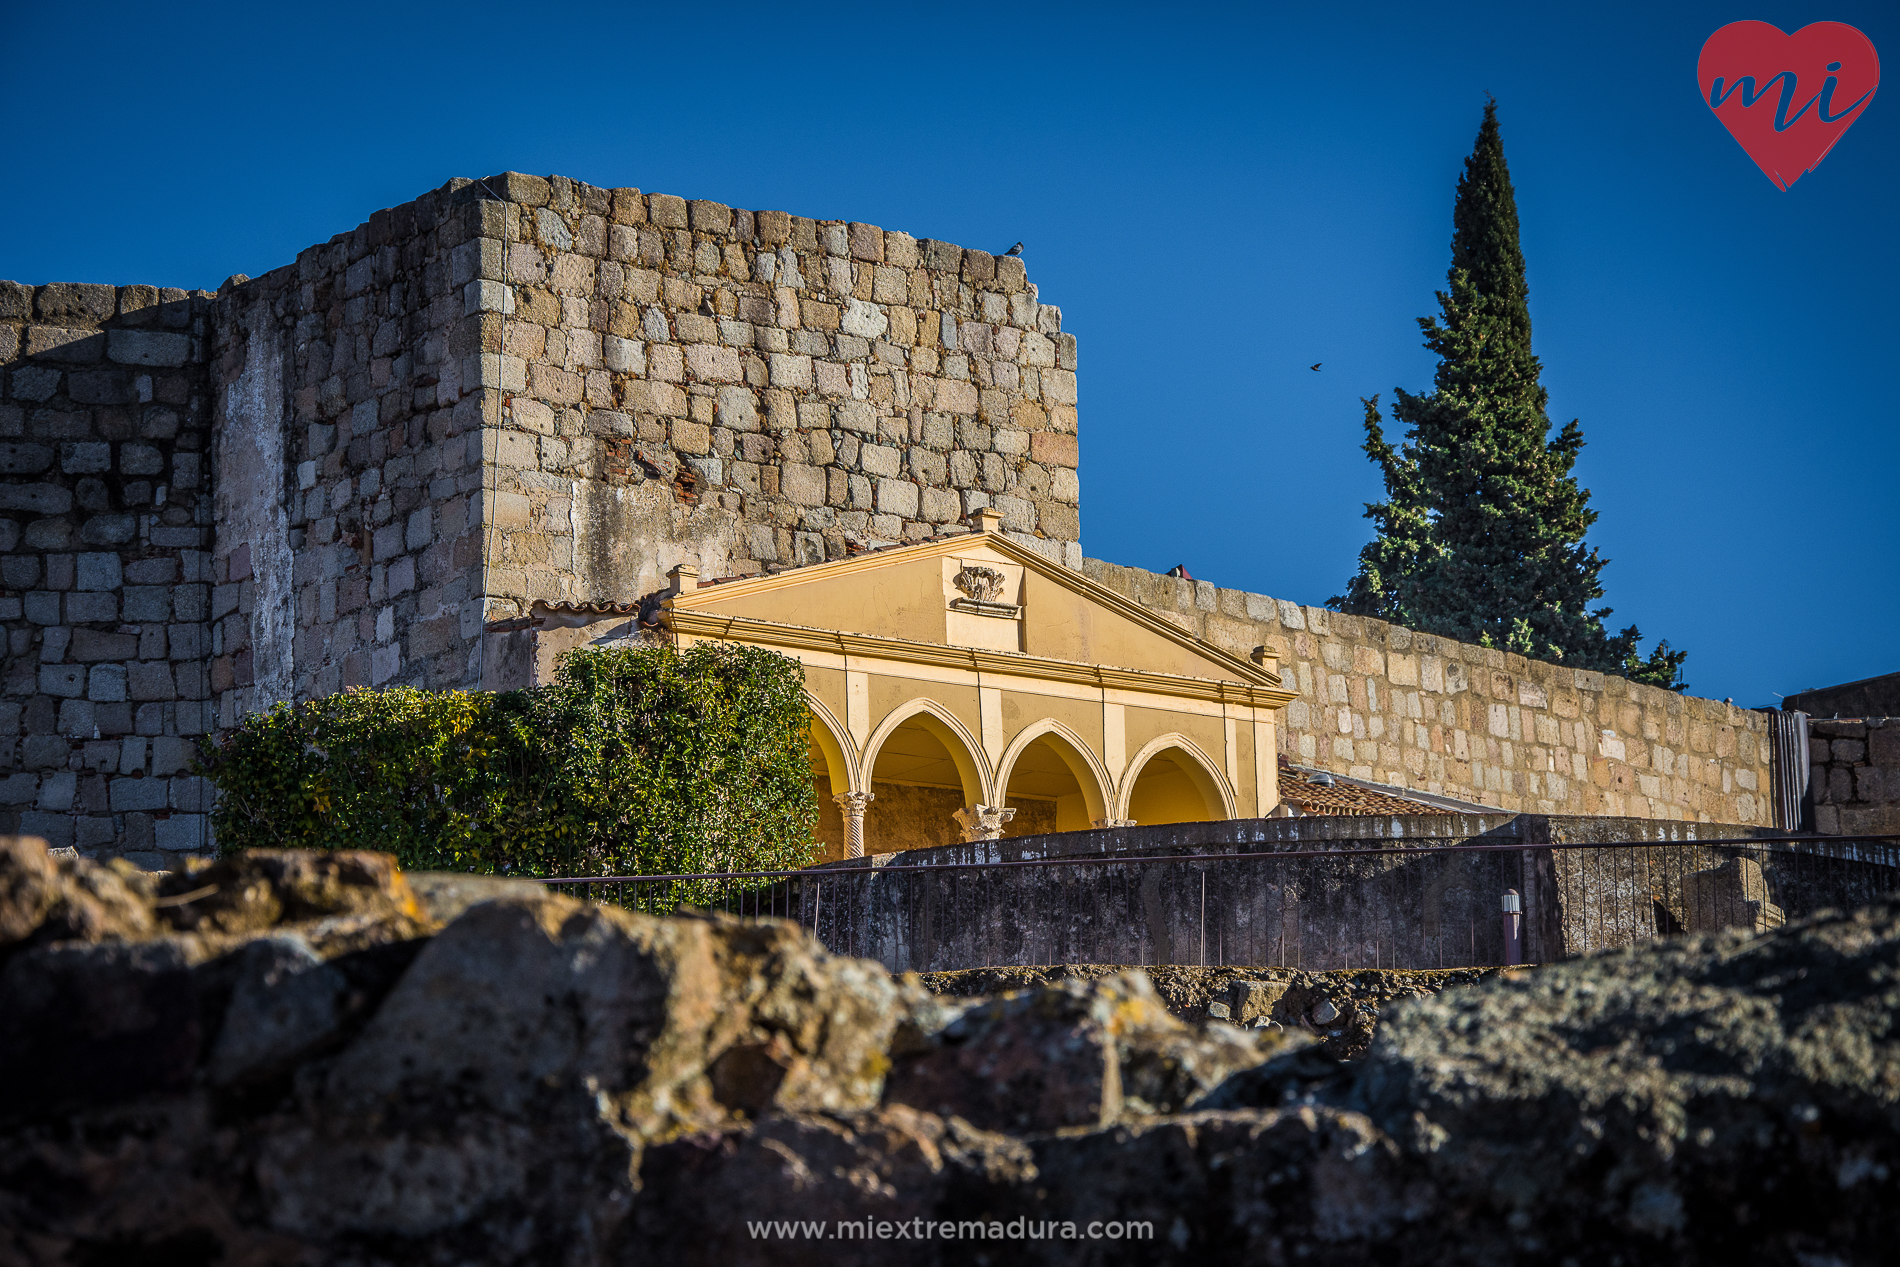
pixel 1316 365
pixel 1015 250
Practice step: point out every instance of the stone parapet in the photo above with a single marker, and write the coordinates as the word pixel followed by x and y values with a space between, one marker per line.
pixel 1383 703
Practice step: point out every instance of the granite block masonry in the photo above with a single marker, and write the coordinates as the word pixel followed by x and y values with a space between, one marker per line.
pixel 1384 703
pixel 344 472
pixel 105 554
pixel 337 474
pixel 1854 775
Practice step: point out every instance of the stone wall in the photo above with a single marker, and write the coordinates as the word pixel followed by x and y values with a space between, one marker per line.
pixel 1310 893
pixel 1869 697
pixel 104 529
pixel 1383 703
pixel 526 388
pixel 746 390
pixel 1854 774
pixel 349 417
pixel 511 389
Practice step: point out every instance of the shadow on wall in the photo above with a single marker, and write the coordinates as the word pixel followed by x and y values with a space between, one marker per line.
pixel 104 556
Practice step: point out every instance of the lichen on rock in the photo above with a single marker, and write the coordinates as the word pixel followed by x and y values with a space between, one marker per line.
pixel 325 1060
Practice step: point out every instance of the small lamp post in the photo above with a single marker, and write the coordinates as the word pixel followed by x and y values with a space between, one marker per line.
pixel 1513 928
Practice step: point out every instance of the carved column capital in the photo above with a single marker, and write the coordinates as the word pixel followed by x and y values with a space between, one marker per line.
pixel 853 804
pixel 1111 822
pixel 982 822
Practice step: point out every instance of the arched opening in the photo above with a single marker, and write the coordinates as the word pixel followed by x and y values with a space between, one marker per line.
pixel 1052 786
pixel 921 775
pixel 1173 786
pixel 830 774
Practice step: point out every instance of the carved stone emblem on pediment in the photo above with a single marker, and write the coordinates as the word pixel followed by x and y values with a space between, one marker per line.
pixel 983 585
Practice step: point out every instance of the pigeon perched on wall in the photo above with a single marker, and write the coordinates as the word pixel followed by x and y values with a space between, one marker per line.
pixel 1015 250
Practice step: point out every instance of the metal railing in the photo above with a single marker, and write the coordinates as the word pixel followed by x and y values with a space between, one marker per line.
pixel 1389 905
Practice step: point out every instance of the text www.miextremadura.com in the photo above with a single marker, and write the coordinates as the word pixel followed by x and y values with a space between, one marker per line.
pixel 961 1230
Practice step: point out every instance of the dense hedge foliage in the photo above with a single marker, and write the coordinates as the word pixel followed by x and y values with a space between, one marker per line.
pixel 632 762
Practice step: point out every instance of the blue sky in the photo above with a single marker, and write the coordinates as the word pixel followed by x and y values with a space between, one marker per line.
pixel 1218 197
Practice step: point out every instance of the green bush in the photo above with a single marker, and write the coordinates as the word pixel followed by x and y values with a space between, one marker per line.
pixel 632 762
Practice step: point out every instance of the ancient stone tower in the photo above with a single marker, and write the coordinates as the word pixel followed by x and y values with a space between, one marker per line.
pixel 340 473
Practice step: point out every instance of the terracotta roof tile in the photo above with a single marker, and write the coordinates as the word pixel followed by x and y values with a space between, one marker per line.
pixel 1297 788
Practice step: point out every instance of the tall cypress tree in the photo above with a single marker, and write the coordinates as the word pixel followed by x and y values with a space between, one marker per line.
pixel 1480 537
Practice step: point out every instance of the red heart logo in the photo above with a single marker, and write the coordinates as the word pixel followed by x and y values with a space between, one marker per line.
pixel 1787 98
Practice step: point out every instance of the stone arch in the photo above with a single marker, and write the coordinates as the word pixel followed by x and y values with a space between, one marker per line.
pixel 964 750
pixel 1200 774
pixel 921 767
pixel 1091 776
pixel 834 770
pixel 839 755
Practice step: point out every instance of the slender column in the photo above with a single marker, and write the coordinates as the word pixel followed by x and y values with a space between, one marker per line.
pixel 982 822
pixel 853 803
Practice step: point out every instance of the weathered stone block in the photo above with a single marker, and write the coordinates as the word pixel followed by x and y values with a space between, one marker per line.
pixel 954 397
pixel 148 347
pixel 867 321
pixel 878 459
pixel 83 607
pixel 147 602
pixel 108 530
pixel 106 682
pixel 1064 523
pixel 667 211
pixel 710 363
pixel 710 217
pixel 20 571
pixel 91 645
pixel 150 680
pixel 66 344
pixel 1052 449
pixel 774 228
pixel 818 315
pixel 141 459
pixel 85 457
pixel 62 680
pixel 802 483
pixel 897 497
pixel 520 187
pixel 16 301
pixel 138 794
pixel 856 415
pixel 738 409
pixel 76 303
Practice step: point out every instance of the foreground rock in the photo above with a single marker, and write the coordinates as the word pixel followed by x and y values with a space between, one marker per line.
pixel 1338 1008
pixel 298 1058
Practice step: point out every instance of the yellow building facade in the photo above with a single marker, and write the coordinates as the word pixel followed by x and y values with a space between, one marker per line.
pixel 966 688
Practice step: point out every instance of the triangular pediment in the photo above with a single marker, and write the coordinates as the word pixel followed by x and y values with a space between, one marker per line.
pixel 982 591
